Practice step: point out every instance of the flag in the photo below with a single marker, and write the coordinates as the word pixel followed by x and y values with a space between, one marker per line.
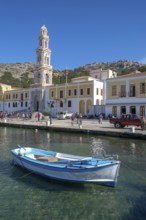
pixel 67 72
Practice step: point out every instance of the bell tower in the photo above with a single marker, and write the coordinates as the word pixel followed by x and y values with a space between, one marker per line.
pixel 43 69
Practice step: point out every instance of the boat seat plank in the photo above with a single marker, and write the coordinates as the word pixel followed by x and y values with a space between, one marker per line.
pixel 47 158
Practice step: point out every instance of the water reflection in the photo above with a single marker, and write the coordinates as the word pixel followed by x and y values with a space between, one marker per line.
pixel 133 148
pixel 97 148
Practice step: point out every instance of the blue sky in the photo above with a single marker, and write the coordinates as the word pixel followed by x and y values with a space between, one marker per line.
pixel 80 31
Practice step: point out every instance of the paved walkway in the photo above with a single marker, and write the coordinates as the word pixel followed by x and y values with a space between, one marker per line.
pixel 88 126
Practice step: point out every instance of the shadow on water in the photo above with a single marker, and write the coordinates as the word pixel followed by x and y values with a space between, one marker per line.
pixel 44 183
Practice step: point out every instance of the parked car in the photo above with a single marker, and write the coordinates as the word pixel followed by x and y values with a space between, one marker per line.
pixel 63 115
pixel 128 119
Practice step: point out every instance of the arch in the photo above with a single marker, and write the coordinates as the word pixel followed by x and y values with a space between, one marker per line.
pixel 97 102
pixel 88 103
pixel 82 107
pixel 47 59
pixel 46 44
pixel 38 77
pixel 47 78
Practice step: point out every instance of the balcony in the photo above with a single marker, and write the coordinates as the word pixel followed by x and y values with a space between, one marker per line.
pixel 122 94
pixel 132 94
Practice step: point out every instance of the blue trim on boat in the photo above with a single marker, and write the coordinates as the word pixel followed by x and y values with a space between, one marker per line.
pixel 64 168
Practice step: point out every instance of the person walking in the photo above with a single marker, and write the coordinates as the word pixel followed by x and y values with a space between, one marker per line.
pixel 100 117
pixel 72 119
pixel 80 120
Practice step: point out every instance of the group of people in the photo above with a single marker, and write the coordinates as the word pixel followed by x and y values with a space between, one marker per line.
pixel 24 115
pixel 18 115
pixel 78 117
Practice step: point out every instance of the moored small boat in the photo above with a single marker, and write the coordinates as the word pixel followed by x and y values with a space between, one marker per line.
pixel 67 167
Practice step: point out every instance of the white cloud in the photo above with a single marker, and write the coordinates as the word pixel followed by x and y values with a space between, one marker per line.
pixel 143 60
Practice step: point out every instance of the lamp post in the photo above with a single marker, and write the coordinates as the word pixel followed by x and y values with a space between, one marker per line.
pixel 3 102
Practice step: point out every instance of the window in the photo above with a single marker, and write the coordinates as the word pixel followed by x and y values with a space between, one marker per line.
pixel 101 91
pixel 25 104
pixel 21 96
pixel 114 90
pixel 97 91
pixel 9 105
pixel 21 104
pixel 123 91
pixel 75 92
pixel 14 104
pixel 61 94
pixel 88 91
pixel 142 110
pixel 61 104
pixel 69 92
pixel 52 94
pixel 69 103
pixel 132 90
pixel 142 88
pixel 81 91
pixel 114 110
pixel 47 78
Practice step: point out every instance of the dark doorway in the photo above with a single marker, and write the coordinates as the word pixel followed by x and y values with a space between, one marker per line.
pixel 37 106
pixel 123 110
pixel 132 109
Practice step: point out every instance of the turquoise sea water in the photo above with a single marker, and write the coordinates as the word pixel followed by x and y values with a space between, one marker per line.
pixel 27 196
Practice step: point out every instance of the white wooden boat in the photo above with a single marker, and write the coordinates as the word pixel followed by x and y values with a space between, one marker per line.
pixel 67 167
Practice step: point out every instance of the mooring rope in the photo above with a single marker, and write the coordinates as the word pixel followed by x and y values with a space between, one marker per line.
pixel 131 169
pixel 27 174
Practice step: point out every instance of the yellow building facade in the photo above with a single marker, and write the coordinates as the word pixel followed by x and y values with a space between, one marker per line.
pixel 76 96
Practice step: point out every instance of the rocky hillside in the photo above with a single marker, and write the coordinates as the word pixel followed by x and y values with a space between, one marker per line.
pixel 121 66
pixel 17 69
pixel 10 73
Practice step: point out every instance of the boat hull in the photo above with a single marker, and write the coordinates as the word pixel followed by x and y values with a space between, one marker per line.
pixel 106 174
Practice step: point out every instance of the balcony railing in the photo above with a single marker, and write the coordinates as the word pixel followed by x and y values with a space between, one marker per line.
pixel 122 94
pixel 132 94
pixel 127 94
